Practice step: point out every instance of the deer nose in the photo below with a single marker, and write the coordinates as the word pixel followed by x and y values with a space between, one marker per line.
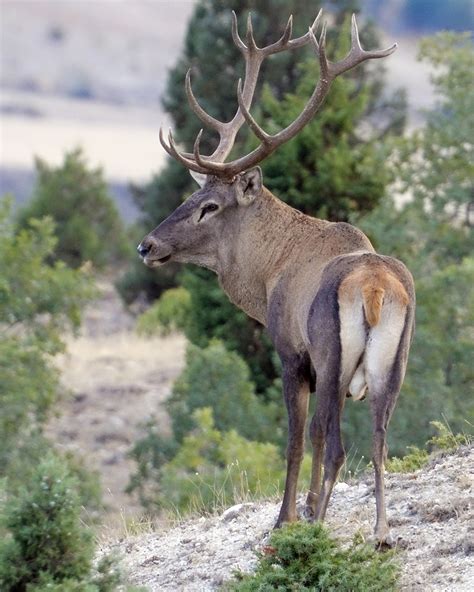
pixel 144 248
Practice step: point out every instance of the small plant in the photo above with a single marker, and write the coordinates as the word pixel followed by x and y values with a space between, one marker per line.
pixel 168 314
pixel 47 541
pixel 46 547
pixel 414 460
pixel 303 557
pixel 444 441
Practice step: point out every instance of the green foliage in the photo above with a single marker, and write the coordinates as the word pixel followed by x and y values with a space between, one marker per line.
pixel 414 460
pixel 47 539
pixel 212 469
pixel 38 302
pixel 47 547
pixel 168 314
pixel 88 227
pixel 446 440
pixel 443 441
pixel 212 377
pixel 304 557
pixel 213 316
pixel 328 170
pixel 216 377
pixel 442 154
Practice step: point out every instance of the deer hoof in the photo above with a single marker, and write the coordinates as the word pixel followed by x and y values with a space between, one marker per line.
pixel 384 542
pixel 309 514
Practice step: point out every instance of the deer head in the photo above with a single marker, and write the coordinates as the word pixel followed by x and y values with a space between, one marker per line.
pixel 193 232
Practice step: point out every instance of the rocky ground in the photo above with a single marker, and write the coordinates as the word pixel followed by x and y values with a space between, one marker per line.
pixel 430 512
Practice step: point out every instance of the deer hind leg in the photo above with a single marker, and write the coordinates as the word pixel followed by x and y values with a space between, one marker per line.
pixel 329 415
pixel 386 358
pixel 296 391
pixel 343 372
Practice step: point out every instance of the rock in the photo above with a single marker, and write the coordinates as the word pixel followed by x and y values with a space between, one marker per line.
pixel 234 511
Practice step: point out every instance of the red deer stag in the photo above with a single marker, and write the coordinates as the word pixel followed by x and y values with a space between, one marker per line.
pixel 334 308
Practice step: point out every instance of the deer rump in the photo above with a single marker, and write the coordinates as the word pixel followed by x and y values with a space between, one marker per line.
pixel 370 319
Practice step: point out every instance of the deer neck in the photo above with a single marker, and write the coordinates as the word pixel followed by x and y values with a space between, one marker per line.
pixel 258 251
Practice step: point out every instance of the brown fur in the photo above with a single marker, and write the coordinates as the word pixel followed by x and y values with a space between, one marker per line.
pixel 374 283
pixel 292 273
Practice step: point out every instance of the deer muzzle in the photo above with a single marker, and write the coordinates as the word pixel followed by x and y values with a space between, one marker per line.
pixel 153 253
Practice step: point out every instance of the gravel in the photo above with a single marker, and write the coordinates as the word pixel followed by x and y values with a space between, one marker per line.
pixel 430 512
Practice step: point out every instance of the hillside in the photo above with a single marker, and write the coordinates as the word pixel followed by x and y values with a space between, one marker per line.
pixel 430 512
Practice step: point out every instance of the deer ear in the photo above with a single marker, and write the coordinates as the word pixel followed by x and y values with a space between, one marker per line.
pixel 199 178
pixel 249 186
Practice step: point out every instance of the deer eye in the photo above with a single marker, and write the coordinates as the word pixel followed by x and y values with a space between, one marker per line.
pixel 210 207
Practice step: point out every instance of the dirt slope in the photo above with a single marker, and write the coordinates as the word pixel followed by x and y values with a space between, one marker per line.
pixel 430 512
pixel 114 381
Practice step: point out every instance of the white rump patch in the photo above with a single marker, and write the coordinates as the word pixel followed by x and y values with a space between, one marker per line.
pixel 383 342
pixel 353 340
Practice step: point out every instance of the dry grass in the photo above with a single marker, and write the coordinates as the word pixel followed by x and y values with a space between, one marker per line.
pixel 114 381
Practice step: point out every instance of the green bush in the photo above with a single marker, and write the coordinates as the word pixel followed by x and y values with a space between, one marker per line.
pixel 304 558
pixel 45 544
pixel 213 469
pixel 38 302
pixel 88 226
pixel 213 316
pixel 220 379
pixel 209 470
pixel 47 540
pixel 166 315
pixel 444 441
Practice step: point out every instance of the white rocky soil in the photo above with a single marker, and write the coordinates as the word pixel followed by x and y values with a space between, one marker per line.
pixel 430 512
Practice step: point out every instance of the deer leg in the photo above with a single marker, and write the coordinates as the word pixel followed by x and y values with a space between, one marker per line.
pixel 334 454
pixel 317 433
pixel 384 382
pixel 296 391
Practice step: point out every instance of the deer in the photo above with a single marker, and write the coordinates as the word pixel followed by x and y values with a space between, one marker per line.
pixel 340 315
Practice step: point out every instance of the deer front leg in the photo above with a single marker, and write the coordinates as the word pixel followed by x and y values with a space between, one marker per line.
pixel 296 392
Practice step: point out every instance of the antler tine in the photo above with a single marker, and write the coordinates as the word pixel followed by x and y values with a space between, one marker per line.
pixel 284 40
pixel 173 152
pixel 235 33
pixel 257 130
pixel 196 107
pixel 251 45
pixel 323 61
pixel 357 55
pixel 196 151
pixel 355 34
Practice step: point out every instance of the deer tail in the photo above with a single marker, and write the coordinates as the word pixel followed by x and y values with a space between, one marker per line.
pixel 373 300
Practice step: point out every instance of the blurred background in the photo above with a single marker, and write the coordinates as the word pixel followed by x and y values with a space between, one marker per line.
pixel 147 389
pixel 92 74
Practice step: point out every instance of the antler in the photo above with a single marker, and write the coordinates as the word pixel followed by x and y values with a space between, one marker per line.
pixel 254 56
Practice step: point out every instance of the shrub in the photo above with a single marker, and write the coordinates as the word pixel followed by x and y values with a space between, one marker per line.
pixel 304 557
pixel 47 547
pixel 166 315
pixel 37 303
pixel 218 378
pixel 88 226
pixel 444 441
pixel 213 469
pixel 47 539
